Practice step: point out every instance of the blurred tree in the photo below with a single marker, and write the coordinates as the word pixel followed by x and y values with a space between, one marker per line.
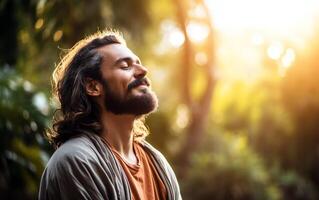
pixel 301 97
pixel 23 119
pixel 198 109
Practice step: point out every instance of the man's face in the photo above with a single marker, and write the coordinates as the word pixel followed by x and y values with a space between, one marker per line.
pixel 126 88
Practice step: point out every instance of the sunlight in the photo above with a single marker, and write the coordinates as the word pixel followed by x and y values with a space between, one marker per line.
pixel 248 32
pixel 57 35
pixel 275 15
pixel 182 118
pixel 176 38
pixel 288 58
pixel 257 39
pixel 286 61
pixel 252 30
pixel 275 50
pixel 172 36
pixel 39 23
pixel 197 32
pixel 201 58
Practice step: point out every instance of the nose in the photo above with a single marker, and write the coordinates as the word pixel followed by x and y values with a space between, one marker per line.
pixel 140 71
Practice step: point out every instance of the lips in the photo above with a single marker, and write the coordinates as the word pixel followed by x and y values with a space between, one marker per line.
pixel 145 82
pixel 138 82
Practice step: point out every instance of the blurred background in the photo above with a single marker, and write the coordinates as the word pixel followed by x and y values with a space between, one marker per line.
pixel 236 79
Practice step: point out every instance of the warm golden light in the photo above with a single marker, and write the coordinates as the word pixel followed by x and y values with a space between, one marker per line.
pixel 57 35
pixel 257 39
pixel 39 23
pixel 278 15
pixel 197 32
pixel 176 38
pixel 275 50
pixel 172 37
pixel 182 117
pixel 201 58
pixel 251 31
pixel 288 58
pixel 247 33
pixel 286 61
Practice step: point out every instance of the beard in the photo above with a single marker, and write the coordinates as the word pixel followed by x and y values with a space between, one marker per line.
pixel 137 105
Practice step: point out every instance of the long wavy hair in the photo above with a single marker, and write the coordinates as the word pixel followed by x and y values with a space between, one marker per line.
pixel 77 112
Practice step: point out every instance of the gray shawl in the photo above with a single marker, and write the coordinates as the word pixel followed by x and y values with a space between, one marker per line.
pixel 85 168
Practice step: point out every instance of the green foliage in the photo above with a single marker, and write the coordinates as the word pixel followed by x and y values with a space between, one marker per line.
pixel 294 186
pixel 23 119
pixel 226 168
pixel 254 119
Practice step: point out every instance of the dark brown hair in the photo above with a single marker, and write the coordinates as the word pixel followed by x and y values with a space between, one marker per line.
pixel 78 113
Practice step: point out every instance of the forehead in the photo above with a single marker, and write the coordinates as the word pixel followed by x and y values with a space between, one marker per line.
pixel 113 52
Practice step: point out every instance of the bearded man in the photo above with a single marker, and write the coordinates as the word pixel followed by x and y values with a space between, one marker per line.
pixel 99 131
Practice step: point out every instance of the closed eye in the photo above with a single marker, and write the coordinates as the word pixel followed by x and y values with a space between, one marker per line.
pixel 124 64
pixel 126 68
pixel 127 63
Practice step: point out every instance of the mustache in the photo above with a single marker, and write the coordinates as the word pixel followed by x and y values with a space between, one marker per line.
pixel 138 82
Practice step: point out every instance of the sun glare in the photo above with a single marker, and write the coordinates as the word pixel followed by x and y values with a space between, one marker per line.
pixel 247 33
pixel 288 58
pixel 258 29
pixel 197 32
pixel 275 50
pixel 277 15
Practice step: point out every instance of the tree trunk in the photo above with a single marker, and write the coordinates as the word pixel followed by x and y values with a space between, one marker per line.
pixel 199 110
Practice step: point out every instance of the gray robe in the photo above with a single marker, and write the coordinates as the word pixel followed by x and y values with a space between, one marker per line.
pixel 85 168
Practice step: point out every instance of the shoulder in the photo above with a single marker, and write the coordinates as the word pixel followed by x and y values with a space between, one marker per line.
pixel 78 170
pixel 157 157
pixel 152 150
pixel 78 150
pixel 66 163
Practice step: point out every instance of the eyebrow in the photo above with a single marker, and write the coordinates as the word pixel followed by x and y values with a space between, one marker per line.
pixel 127 59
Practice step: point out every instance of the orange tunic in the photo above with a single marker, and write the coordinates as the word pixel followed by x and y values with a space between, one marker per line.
pixel 143 178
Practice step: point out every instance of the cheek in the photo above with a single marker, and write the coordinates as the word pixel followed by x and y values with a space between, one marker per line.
pixel 123 81
pixel 118 87
pixel 119 81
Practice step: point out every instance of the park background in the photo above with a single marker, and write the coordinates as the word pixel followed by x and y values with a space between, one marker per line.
pixel 236 79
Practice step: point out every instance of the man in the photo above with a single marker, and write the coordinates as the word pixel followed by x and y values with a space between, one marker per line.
pixel 99 131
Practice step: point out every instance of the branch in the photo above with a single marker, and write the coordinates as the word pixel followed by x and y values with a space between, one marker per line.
pixel 187 59
pixel 206 97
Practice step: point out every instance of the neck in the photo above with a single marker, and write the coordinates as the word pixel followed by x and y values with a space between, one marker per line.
pixel 118 131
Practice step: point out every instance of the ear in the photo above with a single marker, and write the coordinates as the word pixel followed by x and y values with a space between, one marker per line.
pixel 93 87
